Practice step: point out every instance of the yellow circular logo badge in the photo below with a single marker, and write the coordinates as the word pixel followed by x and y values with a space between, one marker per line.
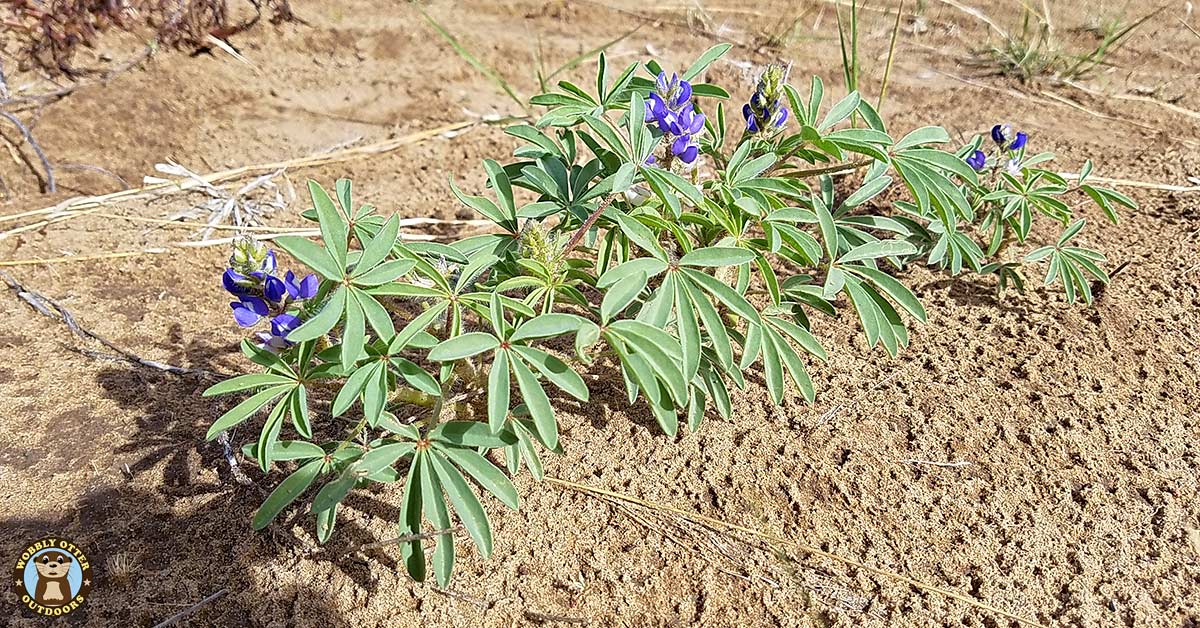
pixel 52 577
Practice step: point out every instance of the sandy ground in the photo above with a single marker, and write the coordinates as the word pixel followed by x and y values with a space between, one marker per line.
pixel 1078 506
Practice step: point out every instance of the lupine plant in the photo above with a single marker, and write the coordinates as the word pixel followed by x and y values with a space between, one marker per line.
pixel 637 240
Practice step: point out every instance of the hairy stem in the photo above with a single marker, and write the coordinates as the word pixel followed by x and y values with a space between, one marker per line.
pixel 587 225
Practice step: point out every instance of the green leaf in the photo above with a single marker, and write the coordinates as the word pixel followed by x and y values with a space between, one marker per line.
pixel 537 403
pixel 384 273
pixel 354 332
pixel 705 60
pixel 463 346
pixel 469 510
pixel 435 509
pixel 315 257
pixel 499 385
pixel 639 234
pixel 416 326
pixel 689 331
pixel 922 136
pixel 286 493
pixel 410 518
pixel 717 256
pixel 334 230
pixel 556 371
pixel 546 325
pixel 334 492
pixel 878 249
pixel 376 314
pixel 471 434
pixel 621 294
pixel 378 248
pixel 287 450
pixel 383 456
pixel 246 382
pixel 323 321
pixel 491 478
pixel 245 410
pixel 724 294
pixel 417 377
pixel 840 111
pixel 352 388
pixel 404 290
pixel 647 265
pixel 898 291
pixel 829 232
pixel 713 324
pixel 624 178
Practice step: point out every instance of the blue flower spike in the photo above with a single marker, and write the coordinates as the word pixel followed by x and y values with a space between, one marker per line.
pixel 252 278
pixel 766 113
pixel 671 110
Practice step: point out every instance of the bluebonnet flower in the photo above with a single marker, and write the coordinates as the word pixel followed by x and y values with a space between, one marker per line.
pixel 1013 167
pixel 251 278
pixel 1004 137
pixel 766 112
pixel 304 289
pixel 248 310
pixel 977 161
pixel 670 108
pixel 282 325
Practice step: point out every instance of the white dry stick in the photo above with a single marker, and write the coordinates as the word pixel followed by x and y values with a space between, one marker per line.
pixel 248 206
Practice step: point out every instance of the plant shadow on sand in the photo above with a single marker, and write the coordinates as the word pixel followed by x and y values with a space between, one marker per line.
pixel 175 515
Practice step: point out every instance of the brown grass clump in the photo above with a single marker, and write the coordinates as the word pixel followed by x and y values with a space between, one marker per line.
pixel 52 32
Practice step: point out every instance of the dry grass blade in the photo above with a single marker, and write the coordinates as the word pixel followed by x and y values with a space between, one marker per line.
pixel 75 205
pixel 82 258
pixel 977 14
pixel 248 206
pixel 725 526
pixel 1135 98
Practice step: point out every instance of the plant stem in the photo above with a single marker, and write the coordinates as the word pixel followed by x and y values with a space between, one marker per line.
pixel 587 225
pixel 839 168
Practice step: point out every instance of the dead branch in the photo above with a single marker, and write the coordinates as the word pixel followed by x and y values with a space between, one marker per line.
pixel 50 186
pixel 235 469
pixel 53 309
pixel 187 612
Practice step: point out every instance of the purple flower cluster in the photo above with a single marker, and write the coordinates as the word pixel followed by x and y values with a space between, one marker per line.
pixel 251 278
pixel 766 112
pixel 1003 135
pixel 1006 140
pixel 671 109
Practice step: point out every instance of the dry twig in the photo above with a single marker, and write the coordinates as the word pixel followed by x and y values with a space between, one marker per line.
pixel 53 309
pixel 37 148
pixel 187 612
pixel 75 207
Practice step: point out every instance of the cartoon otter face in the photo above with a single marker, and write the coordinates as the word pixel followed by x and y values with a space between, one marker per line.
pixel 53 564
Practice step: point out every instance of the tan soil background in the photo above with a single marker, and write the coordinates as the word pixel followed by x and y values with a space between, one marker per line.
pixel 1079 505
